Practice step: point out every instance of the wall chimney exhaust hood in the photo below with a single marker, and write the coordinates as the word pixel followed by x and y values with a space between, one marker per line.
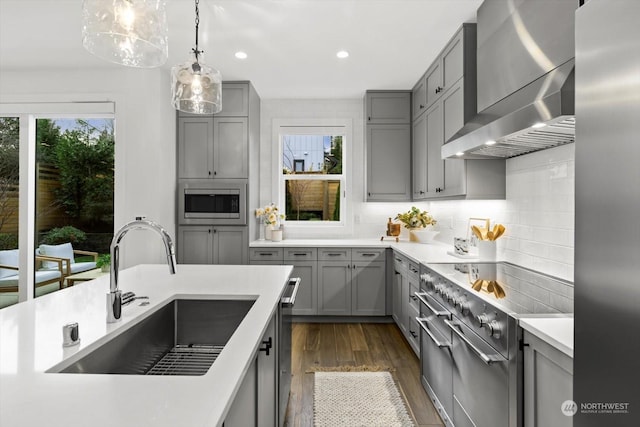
pixel 526 82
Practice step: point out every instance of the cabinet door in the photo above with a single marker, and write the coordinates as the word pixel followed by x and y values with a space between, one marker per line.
pixel 307 297
pixel 230 245
pixel 396 294
pixel 368 289
pixel 388 107
pixel 419 158
pixel 267 373
pixel 388 154
pixel 548 382
pixel 235 100
pixel 435 164
pixel 452 61
pixel 419 97
pixel 231 143
pixel 334 292
pixel 195 147
pixel 195 245
pixel 434 83
pixel 244 409
pixel 453 109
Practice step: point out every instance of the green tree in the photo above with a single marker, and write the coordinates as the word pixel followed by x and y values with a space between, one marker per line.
pixel 85 159
pixel 47 136
pixel 9 166
pixel 335 157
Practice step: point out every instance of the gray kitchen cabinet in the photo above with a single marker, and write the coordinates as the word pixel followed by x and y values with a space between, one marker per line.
pixel 388 160
pixel 334 290
pixel 419 98
pixel 230 147
pixel 419 158
pixel 396 296
pixel 244 409
pixel 305 265
pixel 433 83
pixel 401 290
pixel 212 245
pixel 435 164
pixel 267 372
pixel 235 100
pixel 548 382
pixel 387 107
pixel 354 285
pixel 195 146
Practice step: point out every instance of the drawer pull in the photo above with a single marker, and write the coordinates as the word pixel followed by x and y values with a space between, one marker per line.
pixel 299 254
pixel 334 254
pixel 266 254
pixel 369 254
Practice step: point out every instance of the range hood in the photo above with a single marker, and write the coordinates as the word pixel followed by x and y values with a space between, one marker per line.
pixel 525 81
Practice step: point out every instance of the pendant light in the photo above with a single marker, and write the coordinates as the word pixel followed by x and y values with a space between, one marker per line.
pixel 127 32
pixel 196 87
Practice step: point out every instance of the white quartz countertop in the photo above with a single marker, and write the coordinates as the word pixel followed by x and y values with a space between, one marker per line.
pixel 31 344
pixel 556 331
pixel 418 252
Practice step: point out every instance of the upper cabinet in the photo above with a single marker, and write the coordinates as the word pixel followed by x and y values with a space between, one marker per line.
pixel 388 145
pixel 216 146
pixel 388 107
pixel 444 99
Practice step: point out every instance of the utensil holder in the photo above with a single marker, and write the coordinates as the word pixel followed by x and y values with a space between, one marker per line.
pixel 486 250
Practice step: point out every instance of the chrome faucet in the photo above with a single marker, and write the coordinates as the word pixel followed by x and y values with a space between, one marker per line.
pixel 114 297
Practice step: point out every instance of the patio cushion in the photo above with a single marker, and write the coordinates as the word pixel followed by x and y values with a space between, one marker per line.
pixel 64 250
pixel 8 257
pixel 79 267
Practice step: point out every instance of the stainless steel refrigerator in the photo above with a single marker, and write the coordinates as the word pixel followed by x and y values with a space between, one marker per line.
pixel 607 229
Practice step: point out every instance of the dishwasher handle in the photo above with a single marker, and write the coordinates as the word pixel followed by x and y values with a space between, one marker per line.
pixel 486 358
pixel 437 313
pixel 291 299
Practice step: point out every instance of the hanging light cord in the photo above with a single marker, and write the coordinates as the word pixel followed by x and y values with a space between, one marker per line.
pixel 195 50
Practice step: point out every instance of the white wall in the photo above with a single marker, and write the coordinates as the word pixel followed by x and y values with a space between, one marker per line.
pixel 145 139
pixel 538 211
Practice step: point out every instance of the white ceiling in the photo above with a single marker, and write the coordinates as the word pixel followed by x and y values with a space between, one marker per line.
pixel 291 43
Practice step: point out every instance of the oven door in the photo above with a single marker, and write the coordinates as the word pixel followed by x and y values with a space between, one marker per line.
pixel 480 380
pixel 436 364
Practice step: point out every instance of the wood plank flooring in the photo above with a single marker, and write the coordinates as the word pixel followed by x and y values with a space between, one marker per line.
pixel 353 344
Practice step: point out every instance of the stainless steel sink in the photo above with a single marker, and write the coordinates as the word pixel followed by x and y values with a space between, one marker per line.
pixel 182 338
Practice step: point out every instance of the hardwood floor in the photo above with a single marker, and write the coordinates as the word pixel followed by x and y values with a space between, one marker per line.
pixel 354 344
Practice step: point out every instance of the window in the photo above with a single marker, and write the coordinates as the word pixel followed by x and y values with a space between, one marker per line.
pixel 312 179
pixel 54 195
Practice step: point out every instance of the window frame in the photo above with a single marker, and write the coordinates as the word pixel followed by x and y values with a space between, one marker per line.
pixel 332 127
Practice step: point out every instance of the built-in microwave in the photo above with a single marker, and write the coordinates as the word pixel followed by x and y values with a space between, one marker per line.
pixel 212 202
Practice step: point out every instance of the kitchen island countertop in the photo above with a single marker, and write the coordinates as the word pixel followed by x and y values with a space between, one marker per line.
pixel 31 344
pixel 557 331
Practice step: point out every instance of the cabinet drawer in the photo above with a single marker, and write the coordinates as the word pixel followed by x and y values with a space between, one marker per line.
pixel 334 254
pixel 413 299
pixel 367 254
pixel 300 254
pixel 265 254
pixel 414 272
pixel 400 263
pixel 413 333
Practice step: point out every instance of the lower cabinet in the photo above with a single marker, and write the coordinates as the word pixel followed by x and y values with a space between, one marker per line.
pixel 548 383
pixel 405 304
pixel 355 285
pixel 212 245
pixel 256 403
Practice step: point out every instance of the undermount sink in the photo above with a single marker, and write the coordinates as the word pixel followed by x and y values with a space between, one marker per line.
pixel 183 337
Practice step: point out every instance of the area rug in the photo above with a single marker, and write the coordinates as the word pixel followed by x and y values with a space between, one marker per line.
pixel 358 399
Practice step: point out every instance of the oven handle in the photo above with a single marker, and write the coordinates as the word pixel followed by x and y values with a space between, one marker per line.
pixel 423 326
pixel 423 300
pixel 291 300
pixel 486 358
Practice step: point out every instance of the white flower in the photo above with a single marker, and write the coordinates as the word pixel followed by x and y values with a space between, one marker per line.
pixel 259 212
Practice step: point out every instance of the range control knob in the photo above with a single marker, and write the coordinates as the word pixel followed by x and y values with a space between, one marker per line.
pixel 495 329
pixel 463 305
pixel 452 297
pixel 439 289
pixel 482 319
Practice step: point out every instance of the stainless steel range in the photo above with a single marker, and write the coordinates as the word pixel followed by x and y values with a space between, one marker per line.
pixel 470 342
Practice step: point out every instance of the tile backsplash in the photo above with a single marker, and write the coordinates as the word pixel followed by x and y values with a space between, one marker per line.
pixel 538 212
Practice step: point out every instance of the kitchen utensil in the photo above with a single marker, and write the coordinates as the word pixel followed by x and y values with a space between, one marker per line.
pixel 477 285
pixel 476 231
pixel 490 235
pixel 499 232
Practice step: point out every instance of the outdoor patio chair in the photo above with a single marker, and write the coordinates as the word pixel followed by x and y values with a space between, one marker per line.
pixel 46 281
pixel 67 254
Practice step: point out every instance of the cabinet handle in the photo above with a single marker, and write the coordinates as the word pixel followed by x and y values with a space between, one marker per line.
pixel 369 118
pixel 399 260
pixel 413 297
pixel 299 254
pixel 354 266
pixel 267 346
pixel 215 173
pixel 209 230
pixel 421 106
pixel 368 254
pixel 209 173
pixel 421 192
pixel 333 254
pixel 265 254
pixel 215 231
pixel 413 334
pixel 369 194
pixel 439 89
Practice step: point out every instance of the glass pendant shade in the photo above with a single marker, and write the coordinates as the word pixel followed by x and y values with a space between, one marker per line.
pixel 127 32
pixel 196 88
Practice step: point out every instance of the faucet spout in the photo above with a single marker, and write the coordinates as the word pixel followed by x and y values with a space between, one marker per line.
pixel 114 297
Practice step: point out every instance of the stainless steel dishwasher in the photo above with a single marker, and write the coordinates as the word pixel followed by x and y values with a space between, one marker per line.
pixel 284 384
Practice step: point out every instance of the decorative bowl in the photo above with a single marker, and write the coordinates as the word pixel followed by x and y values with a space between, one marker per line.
pixel 422 235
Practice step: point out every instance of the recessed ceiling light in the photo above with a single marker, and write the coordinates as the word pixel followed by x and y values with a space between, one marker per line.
pixel 241 55
pixel 538 125
pixel 342 54
pixel 460 153
pixel 490 142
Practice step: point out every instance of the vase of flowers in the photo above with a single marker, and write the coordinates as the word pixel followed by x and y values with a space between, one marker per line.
pixel 419 223
pixel 270 217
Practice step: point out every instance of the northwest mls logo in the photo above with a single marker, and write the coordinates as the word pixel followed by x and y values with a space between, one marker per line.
pixel 569 408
